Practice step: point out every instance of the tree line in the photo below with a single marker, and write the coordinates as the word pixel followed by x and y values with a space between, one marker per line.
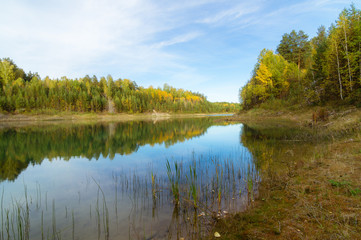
pixel 27 92
pixel 323 70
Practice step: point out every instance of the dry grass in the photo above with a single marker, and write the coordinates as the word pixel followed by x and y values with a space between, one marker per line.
pixel 314 195
pixel 16 120
pixel 305 204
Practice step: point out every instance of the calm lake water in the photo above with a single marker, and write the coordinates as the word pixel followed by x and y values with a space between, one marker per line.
pixel 111 181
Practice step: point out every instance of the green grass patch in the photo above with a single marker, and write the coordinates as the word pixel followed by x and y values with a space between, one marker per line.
pixel 335 183
pixel 347 185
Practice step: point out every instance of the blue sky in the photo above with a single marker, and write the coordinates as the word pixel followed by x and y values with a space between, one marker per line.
pixel 207 46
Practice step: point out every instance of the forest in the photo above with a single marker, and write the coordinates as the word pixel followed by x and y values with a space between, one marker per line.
pixel 324 70
pixel 26 92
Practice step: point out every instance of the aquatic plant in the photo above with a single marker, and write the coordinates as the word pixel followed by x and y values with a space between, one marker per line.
pixel 174 179
pixel 192 179
pixel 105 213
pixel 197 188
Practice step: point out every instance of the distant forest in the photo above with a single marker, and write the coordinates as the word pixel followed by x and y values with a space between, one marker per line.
pixel 27 92
pixel 322 71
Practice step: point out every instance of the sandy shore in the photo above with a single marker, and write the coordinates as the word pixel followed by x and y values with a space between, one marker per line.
pixel 31 119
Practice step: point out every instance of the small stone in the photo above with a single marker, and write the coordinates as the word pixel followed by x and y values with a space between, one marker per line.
pixel 217 235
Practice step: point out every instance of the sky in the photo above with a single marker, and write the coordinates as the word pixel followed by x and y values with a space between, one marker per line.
pixel 206 46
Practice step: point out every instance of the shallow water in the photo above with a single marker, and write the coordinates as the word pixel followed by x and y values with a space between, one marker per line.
pixel 110 180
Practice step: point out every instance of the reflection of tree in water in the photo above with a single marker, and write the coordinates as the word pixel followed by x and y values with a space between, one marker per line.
pixel 21 146
pixel 275 146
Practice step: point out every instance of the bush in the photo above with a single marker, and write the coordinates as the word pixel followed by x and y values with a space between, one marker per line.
pixel 274 104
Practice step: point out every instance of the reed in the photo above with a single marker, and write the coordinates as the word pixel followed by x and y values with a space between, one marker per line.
pixel 2 215
pixel 193 188
pixel 73 224
pixel 54 220
pixel 98 214
pixel 7 223
pixel 115 178
pixel 199 188
pixel 105 212
pixel 38 196
pixel 154 190
pixel 42 225
pixel 19 221
pixel 46 201
pixel 174 179
pixel 27 214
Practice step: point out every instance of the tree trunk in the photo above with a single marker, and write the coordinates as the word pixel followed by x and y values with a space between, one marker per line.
pixel 359 51
pixel 338 71
pixel 299 60
pixel 348 59
pixel 359 46
pixel 110 105
pixel 313 74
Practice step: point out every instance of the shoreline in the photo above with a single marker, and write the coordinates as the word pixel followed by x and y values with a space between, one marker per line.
pixel 28 119
pixel 315 195
pixel 337 120
pixel 287 206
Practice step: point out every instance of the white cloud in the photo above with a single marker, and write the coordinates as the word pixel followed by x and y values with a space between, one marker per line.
pixel 59 37
pixel 179 39
pixel 146 39
pixel 232 13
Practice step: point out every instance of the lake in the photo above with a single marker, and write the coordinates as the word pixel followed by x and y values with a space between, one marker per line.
pixel 128 180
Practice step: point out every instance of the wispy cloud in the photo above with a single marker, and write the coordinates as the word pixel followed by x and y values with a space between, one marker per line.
pixel 231 14
pixel 68 35
pixel 288 13
pixel 185 43
pixel 179 39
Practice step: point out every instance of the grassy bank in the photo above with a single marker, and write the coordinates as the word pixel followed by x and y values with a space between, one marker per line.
pixel 55 116
pixel 305 194
pixel 327 122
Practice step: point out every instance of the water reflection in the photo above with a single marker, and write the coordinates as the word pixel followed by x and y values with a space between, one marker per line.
pixel 279 150
pixel 20 147
pixel 110 181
